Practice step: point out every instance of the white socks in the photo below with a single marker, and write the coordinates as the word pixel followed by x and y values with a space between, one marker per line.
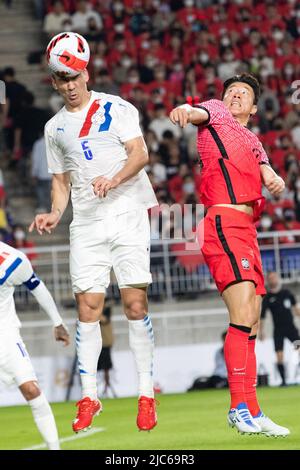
pixel 141 341
pixel 88 346
pixel 44 420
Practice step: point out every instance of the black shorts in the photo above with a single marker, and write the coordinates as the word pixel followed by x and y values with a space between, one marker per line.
pixel 104 362
pixel 289 332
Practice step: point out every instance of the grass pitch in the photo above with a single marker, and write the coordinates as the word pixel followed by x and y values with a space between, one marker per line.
pixel 195 420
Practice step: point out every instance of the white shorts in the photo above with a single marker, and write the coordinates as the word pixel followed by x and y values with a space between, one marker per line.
pixel 15 363
pixel 121 242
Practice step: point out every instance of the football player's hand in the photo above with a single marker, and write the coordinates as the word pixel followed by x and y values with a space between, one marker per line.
pixel 102 185
pixel 180 115
pixel 45 222
pixel 275 186
pixel 61 334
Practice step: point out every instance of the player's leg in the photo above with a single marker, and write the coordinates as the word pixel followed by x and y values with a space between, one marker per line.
pixel 251 366
pixel 141 340
pixel 19 367
pixel 90 269
pixel 240 301
pixel 131 263
pixel 42 413
pixel 88 348
pixel 281 367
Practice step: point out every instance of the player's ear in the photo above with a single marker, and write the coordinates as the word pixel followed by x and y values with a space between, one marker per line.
pixel 253 110
pixel 53 83
pixel 86 76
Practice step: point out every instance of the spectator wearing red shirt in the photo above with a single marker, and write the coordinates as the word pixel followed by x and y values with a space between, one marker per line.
pixel 234 165
pixel 20 242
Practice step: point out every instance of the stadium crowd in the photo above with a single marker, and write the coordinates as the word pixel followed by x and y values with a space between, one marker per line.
pixel 158 54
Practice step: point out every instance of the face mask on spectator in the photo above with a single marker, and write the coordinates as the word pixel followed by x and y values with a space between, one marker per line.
pixel 188 188
pixel 126 62
pixel 119 27
pixel 264 73
pixel 98 63
pixel 225 41
pixel 19 235
pixel 150 63
pixel 189 3
pixel 203 58
pixel 266 222
pixel 289 70
pixel 297 184
pixel 133 79
pixel 118 6
pixel 278 35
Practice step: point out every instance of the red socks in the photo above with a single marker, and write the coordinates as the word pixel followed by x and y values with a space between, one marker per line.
pixel 251 378
pixel 235 355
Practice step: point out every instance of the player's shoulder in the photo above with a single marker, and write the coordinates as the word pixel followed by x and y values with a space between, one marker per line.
pixel 214 104
pixel 53 122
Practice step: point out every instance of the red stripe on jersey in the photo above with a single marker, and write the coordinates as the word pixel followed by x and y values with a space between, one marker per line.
pixel 88 120
pixel 3 257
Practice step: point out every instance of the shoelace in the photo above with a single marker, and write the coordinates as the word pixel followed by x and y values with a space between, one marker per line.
pixel 145 405
pixel 84 406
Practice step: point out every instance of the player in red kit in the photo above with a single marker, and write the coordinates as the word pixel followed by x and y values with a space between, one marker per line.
pixel 234 167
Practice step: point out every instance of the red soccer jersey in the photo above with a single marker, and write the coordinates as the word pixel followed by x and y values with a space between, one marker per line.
pixel 230 156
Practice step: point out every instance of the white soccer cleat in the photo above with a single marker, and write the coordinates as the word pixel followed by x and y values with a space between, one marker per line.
pixel 269 428
pixel 241 419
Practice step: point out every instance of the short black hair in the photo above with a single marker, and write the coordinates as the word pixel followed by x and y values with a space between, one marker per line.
pixel 244 78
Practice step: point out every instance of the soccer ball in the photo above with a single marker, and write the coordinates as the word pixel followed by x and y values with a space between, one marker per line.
pixel 68 54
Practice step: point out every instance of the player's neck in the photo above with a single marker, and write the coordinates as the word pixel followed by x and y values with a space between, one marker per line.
pixel 79 106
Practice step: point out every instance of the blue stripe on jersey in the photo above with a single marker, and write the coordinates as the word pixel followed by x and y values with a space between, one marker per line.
pixel 10 270
pixel 105 125
pixel 33 282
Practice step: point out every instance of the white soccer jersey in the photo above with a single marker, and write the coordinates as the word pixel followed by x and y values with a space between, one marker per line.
pixel 90 143
pixel 15 269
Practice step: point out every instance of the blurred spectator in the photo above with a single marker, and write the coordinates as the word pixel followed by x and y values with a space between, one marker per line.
pixel 29 122
pixel 20 242
pixel 14 97
pixel 54 20
pixel 161 123
pixel 82 15
pixel 103 83
pixel 40 176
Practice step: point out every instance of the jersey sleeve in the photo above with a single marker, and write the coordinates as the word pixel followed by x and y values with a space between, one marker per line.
pixel 55 156
pixel 24 274
pixel 260 153
pixel 217 111
pixel 128 121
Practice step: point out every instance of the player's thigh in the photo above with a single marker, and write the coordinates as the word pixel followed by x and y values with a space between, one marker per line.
pixel 227 249
pixel 240 299
pixel 90 259
pixel 18 368
pixel 130 249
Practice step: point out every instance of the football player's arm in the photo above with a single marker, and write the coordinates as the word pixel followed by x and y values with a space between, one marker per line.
pixel 137 153
pixel 273 182
pixel 60 194
pixel 186 113
pixel 295 305
pixel 261 330
pixel 25 275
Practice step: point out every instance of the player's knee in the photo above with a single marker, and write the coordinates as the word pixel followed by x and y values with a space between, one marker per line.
pixel 88 312
pixel 135 310
pixel 30 390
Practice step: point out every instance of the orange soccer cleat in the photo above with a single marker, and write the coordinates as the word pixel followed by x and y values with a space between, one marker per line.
pixel 87 409
pixel 147 417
